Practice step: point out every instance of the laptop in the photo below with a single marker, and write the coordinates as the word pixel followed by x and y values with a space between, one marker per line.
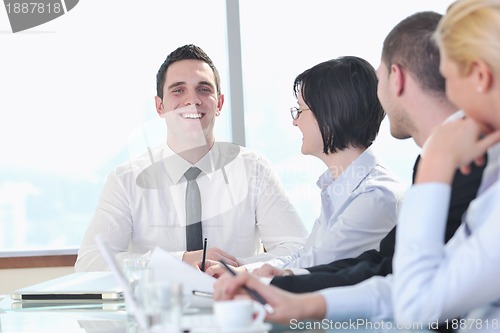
pixel 81 287
pixel 68 305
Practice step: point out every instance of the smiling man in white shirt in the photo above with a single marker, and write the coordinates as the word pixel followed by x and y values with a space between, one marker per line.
pixel 142 205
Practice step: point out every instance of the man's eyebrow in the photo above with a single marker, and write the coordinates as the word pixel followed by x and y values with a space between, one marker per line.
pixel 207 83
pixel 181 83
pixel 176 84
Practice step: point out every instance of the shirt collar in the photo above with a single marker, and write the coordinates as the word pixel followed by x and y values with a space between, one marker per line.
pixel 350 179
pixel 176 166
pixel 455 116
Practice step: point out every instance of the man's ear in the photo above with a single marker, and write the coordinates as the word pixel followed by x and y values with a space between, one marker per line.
pixel 159 106
pixel 220 103
pixel 398 78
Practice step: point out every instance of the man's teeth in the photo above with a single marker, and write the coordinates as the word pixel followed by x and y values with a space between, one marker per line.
pixel 191 115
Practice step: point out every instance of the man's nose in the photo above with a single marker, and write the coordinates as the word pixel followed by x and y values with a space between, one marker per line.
pixel 192 99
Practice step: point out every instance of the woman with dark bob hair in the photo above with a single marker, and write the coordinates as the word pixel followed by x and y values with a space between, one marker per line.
pixel 339 115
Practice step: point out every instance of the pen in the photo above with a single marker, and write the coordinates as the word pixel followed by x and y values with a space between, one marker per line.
pixel 204 255
pixel 251 291
pixel 203 293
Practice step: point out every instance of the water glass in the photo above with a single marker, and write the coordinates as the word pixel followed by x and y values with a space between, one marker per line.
pixel 161 303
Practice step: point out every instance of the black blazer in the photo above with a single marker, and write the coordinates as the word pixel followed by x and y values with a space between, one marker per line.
pixel 370 263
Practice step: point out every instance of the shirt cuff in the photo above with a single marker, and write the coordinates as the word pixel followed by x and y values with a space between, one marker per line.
pixel 258 258
pixel 299 271
pixel 178 254
pixel 266 280
pixel 252 266
pixel 370 299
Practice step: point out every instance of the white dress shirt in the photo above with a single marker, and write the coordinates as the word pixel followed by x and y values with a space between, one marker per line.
pixel 358 209
pixel 436 281
pixel 142 205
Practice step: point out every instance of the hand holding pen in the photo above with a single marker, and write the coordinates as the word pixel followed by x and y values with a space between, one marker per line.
pixel 195 258
pixel 253 293
pixel 284 306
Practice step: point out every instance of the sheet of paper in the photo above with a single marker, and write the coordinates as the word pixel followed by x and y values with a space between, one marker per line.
pixel 167 267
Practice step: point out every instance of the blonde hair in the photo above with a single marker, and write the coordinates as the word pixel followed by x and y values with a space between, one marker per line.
pixel 470 30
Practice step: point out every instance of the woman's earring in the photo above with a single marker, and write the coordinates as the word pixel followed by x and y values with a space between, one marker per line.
pixel 479 89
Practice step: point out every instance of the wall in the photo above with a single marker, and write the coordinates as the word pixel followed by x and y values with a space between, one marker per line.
pixel 15 278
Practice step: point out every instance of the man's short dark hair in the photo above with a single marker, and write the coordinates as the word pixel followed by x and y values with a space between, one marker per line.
pixel 342 94
pixel 186 52
pixel 411 45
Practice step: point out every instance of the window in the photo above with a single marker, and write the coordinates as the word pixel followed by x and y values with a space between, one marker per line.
pixel 78 100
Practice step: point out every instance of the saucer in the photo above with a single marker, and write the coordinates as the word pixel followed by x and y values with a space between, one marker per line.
pixel 257 328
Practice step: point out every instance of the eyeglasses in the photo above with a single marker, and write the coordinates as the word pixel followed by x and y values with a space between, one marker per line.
pixel 295 112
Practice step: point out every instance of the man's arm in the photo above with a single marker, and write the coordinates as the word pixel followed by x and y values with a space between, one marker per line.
pixel 113 221
pixel 347 272
pixel 279 225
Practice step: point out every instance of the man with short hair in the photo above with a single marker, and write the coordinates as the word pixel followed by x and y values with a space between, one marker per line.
pixel 192 187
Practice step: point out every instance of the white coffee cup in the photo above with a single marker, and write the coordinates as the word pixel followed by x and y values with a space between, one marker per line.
pixel 240 313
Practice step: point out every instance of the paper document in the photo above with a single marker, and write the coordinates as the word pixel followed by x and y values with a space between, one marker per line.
pixel 168 268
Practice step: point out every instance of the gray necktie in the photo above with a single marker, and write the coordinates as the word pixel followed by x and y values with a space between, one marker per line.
pixel 193 211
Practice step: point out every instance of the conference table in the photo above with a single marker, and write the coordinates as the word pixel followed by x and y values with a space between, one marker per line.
pixel 72 316
pixel 61 319
pixel 90 318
